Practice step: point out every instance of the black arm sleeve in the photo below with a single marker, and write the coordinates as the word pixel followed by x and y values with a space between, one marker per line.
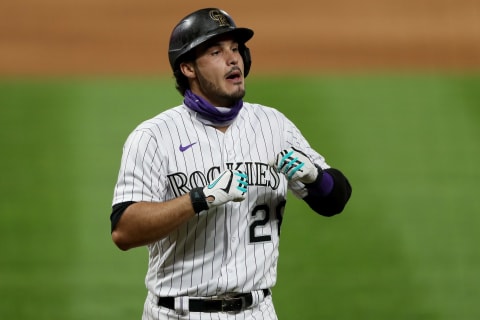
pixel 117 212
pixel 334 202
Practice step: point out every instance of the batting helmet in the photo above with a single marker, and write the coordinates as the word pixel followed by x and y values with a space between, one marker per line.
pixel 202 25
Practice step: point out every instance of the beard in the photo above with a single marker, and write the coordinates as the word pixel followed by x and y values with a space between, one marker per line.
pixel 217 94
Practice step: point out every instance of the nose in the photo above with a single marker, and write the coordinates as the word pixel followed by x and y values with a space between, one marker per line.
pixel 232 58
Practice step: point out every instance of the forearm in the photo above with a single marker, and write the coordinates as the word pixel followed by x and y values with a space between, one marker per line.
pixel 145 222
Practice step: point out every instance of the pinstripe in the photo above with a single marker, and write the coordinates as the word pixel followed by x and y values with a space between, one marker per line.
pixel 231 248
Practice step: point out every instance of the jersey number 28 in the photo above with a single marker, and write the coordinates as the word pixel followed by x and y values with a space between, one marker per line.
pixel 260 221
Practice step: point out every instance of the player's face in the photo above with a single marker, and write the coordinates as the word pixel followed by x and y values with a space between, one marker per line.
pixel 219 73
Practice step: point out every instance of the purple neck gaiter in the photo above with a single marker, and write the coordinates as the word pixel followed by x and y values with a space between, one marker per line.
pixel 208 113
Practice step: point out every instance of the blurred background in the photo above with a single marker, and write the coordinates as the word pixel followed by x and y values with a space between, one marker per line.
pixel 131 37
pixel 387 90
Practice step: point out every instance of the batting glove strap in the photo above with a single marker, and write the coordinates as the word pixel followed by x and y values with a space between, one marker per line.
pixel 199 202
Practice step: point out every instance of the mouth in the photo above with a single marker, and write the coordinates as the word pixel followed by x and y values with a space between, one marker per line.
pixel 234 75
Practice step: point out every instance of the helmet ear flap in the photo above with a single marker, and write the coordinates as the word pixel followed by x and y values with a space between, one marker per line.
pixel 247 59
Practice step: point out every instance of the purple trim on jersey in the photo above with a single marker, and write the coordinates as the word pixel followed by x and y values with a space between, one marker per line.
pixel 208 111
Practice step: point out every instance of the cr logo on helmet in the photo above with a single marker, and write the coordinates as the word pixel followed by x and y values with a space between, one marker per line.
pixel 216 15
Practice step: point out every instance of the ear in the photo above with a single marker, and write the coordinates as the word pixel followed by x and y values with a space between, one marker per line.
pixel 187 69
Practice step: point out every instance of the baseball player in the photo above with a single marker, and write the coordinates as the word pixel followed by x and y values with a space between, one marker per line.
pixel 203 185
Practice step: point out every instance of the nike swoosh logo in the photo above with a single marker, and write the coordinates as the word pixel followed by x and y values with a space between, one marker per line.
pixel 211 185
pixel 184 148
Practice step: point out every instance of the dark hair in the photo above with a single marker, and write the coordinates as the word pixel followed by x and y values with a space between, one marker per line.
pixel 181 82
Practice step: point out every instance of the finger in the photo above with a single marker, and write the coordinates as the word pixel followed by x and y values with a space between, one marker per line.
pixel 295 169
pixel 285 160
pixel 242 182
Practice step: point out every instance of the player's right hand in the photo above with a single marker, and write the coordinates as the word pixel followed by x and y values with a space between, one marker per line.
pixel 230 185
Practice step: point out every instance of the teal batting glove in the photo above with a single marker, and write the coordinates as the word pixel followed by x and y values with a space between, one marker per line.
pixel 296 166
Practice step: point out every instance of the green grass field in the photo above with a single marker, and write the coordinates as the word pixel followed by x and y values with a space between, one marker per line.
pixel 406 247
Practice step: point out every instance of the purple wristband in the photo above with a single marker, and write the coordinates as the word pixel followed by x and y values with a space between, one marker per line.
pixel 323 185
pixel 326 184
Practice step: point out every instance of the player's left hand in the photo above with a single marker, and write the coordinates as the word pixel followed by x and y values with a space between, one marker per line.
pixel 295 165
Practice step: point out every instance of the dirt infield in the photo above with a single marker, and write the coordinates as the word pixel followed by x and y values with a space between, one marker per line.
pixel 131 37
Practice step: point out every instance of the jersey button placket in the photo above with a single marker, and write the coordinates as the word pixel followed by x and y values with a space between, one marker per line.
pixel 228 155
pixel 228 151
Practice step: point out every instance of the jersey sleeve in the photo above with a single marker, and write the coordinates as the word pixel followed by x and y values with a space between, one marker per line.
pixel 139 177
pixel 294 138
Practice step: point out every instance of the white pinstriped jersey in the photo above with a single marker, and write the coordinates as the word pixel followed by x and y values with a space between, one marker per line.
pixel 230 248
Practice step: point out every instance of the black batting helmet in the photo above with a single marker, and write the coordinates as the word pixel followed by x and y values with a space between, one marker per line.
pixel 202 25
